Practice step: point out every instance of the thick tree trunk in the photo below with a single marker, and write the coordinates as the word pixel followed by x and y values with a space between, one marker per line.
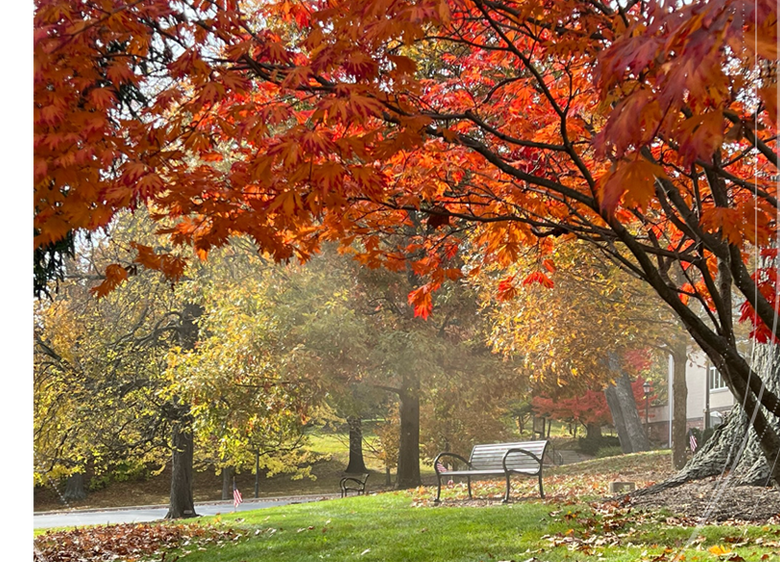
pixel 622 405
pixel 617 418
pixel 633 423
pixel 592 431
pixel 74 488
pixel 356 463
pixel 408 475
pixel 227 482
pixel 734 446
pixel 182 503
pixel 679 406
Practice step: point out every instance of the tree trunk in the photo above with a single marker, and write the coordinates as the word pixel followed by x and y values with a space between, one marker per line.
pixel 620 399
pixel 227 482
pixel 74 488
pixel 680 401
pixel 592 431
pixel 356 463
pixel 182 503
pixel 257 473
pixel 408 475
pixel 734 446
pixel 617 418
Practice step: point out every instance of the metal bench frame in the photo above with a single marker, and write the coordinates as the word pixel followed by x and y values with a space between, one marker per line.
pixel 353 484
pixel 524 458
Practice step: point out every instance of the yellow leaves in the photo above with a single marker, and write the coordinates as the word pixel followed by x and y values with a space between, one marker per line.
pixel 719 550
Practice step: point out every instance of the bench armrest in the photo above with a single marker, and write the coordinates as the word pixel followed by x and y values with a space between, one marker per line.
pixel 446 454
pixel 359 482
pixel 518 450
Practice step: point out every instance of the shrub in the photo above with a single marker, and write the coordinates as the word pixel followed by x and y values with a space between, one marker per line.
pixel 592 446
pixel 609 451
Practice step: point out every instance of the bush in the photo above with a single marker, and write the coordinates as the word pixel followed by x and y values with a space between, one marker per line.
pixel 592 446
pixel 609 452
pixel 126 470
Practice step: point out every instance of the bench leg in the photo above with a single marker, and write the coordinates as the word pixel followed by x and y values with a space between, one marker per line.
pixel 541 489
pixel 506 495
pixel 469 481
pixel 438 492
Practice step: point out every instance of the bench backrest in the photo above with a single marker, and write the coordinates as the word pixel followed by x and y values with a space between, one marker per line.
pixel 491 456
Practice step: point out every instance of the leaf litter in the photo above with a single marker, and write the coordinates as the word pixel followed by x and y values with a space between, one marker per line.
pixel 129 542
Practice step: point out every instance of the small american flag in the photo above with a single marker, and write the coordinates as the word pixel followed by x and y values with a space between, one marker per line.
pixel 237 499
pixel 692 439
pixel 440 468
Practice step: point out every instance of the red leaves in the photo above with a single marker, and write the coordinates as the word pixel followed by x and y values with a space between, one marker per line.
pixel 506 290
pixel 330 118
pixel 420 298
pixel 540 277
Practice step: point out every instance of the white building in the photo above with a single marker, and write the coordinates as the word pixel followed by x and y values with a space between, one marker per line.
pixel 709 399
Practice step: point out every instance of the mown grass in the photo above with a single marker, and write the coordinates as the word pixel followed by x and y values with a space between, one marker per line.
pixel 574 523
pixel 400 527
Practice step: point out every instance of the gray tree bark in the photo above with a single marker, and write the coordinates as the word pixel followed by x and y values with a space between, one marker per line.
pixel 622 405
pixel 182 501
pixel 182 504
pixel 227 482
pixel 734 447
pixel 680 397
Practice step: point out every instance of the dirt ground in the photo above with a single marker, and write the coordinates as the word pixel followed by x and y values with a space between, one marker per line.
pixel 715 499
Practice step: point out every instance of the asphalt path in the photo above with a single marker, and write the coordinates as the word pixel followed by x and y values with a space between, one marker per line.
pixel 152 513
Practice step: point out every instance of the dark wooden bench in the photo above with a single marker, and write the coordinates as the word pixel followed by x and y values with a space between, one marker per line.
pixel 525 458
pixel 353 484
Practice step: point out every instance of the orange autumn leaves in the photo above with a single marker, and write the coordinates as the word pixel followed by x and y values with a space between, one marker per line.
pixel 299 122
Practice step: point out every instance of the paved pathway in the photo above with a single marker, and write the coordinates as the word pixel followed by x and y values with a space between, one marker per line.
pixel 151 513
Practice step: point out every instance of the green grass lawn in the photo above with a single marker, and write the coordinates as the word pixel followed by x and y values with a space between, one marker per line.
pixel 406 526
pixel 402 527
pixel 572 524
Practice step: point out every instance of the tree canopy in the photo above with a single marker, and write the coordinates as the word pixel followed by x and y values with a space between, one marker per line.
pixel 644 128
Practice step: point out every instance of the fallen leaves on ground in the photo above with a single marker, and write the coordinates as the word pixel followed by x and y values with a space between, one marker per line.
pixel 128 542
pixel 556 487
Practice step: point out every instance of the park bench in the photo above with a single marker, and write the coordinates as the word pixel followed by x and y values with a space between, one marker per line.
pixel 353 484
pixel 497 459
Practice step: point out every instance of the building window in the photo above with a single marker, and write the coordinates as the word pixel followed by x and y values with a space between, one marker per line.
pixel 715 381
